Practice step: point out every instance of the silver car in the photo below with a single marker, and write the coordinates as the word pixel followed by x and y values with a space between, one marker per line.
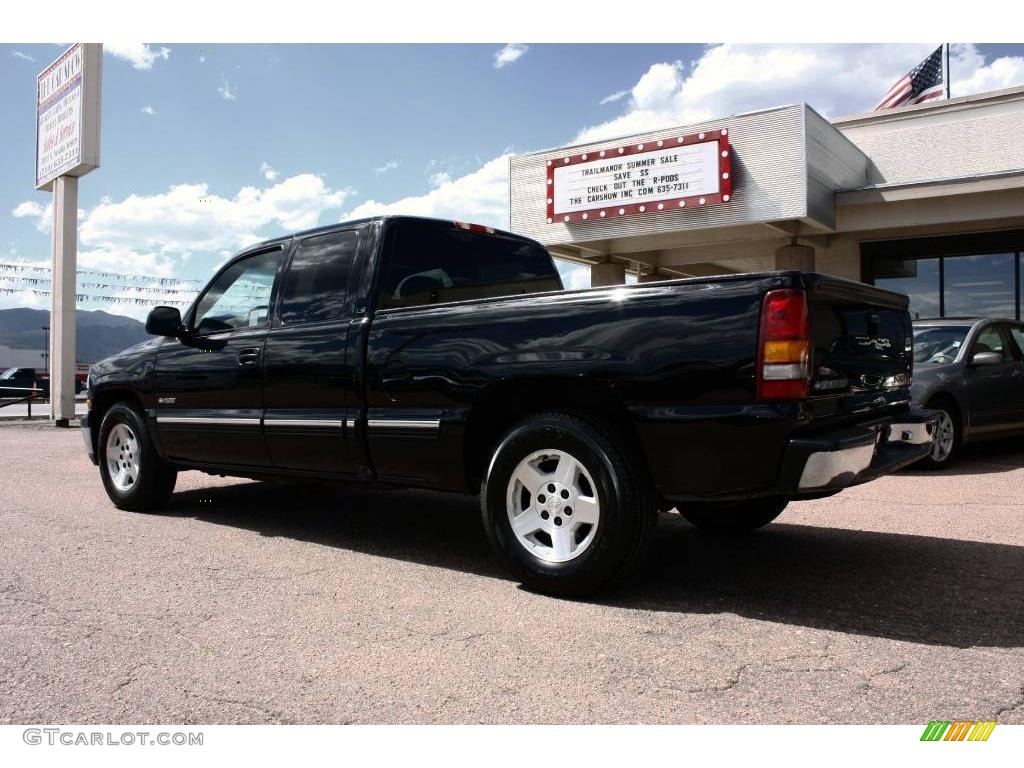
pixel 971 371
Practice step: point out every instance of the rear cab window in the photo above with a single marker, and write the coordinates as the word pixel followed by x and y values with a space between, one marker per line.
pixel 439 262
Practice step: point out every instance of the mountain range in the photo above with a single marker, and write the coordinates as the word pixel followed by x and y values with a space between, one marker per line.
pixel 99 334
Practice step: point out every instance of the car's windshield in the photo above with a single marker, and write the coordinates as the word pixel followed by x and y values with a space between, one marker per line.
pixel 938 344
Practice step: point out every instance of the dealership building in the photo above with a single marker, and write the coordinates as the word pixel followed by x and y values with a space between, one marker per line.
pixel 927 200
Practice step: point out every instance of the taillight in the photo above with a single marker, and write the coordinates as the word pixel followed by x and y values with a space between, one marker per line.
pixel 783 355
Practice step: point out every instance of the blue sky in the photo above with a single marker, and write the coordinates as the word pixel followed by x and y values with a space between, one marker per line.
pixel 282 137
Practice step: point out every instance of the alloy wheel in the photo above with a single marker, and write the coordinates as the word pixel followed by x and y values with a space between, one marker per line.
pixel 553 505
pixel 945 435
pixel 123 457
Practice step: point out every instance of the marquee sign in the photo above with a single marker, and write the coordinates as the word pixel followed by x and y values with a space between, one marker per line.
pixel 660 175
pixel 68 114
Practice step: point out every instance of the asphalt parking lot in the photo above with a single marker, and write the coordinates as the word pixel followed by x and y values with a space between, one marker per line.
pixel 900 601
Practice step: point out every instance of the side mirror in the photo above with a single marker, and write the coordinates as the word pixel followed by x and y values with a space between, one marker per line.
pixel 164 321
pixel 986 358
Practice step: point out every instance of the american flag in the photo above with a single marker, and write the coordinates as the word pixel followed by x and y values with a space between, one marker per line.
pixel 924 82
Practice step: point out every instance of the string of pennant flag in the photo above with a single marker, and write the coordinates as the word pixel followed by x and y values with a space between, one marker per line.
pixel 34 281
pixel 101 297
pixel 121 276
pixel 21 278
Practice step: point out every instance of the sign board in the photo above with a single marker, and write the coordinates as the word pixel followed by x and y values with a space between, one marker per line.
pixel 663 174
pixel 68 114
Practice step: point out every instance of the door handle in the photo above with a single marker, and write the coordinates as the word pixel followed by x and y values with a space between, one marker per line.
pixel 249 356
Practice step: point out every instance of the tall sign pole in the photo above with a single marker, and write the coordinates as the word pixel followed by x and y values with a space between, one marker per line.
pixel 67 146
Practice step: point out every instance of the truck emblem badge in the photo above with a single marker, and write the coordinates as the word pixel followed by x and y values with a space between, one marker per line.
pixel 880 343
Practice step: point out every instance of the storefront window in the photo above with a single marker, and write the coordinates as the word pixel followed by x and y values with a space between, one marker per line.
pixel 918 278
pixel 980 285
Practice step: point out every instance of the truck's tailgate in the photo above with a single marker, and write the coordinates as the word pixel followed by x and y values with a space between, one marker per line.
pixel 861 348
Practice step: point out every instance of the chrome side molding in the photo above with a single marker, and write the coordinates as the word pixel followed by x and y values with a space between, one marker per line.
pixel 218 420
pixel 424 424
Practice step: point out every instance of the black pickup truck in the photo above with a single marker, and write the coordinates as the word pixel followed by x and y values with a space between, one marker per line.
pixel 435 354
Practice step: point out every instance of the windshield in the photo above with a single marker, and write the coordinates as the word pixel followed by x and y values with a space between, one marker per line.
pixel 939 344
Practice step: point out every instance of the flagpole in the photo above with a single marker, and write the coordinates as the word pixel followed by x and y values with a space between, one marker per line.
pixel 945 68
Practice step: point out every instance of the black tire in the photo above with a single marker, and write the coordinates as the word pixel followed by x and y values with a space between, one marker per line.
pixel 734 517
pixel 154 484
pixel 627 515
pixel 941 459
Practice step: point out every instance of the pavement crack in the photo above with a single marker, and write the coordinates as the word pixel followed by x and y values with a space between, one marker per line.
pixel 1018 702
pixel 128 680
pixel 730 682
pixel 267 712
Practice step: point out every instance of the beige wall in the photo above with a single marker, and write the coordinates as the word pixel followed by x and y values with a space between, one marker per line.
pixel 967 136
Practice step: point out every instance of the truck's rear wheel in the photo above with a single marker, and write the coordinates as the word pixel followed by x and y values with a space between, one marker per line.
pixel 134 476
pixel 734 517
pixel 565 505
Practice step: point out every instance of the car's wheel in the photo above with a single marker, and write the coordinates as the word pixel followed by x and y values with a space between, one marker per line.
pixel 948 436
pixel 566 505
pixel 734 517
pixel 134 476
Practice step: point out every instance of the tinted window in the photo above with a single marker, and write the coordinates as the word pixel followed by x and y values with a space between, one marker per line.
pixel 240 296
pixel 317 280
pixel 980 285
pixel 433 263
pixel 918 278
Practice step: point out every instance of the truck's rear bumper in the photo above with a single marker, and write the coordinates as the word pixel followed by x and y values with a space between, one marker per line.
pixel 735 454
pixel 834 460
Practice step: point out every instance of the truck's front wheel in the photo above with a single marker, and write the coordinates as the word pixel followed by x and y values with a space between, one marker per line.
pixel 134 476
pixel 565 505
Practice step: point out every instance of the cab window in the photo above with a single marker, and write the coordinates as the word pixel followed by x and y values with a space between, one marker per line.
pixel 316 284
pixel 240 296
pixel 432 263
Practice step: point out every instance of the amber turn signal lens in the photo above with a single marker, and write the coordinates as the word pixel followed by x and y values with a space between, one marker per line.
pixel 785 352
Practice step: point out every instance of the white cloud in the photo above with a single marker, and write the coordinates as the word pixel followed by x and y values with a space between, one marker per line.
pixel 147 110
pixel 834 79
pixel 726 79
pixel 224 89
pixel 617 96
pixel 24 299
pixel 390 165
pixel 268 173
pixel 510 53
pixel 439 178
pixel 480 197
pixel 970 73
pixel 140 55
pixel 188 218
pixel 19 55
pixel 43 215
